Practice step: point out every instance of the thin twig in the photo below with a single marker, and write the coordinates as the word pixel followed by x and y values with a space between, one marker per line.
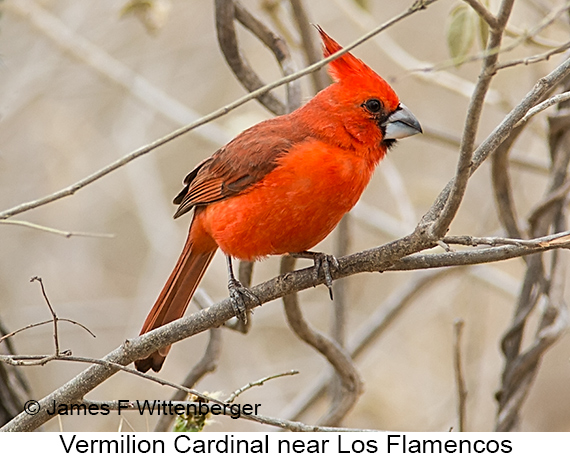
pixel 559 98
pixel 497 50
pixel 535 58
pixel 40 360
pixel 468 240
pixel 474 257
pixel 66 234
pixel 292 426
pixel 258 383
pixel 51 310
pixel 70 190
pixel 459 377
pixel 50 321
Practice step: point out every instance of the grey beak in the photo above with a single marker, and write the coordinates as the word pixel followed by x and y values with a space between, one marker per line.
pixel 400 124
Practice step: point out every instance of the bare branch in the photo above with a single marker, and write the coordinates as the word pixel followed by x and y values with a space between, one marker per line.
pixel 484 13
pixel 402 59
pixel 540 285
pixel 70 190
pixel 38 324
pixel 502 185
pixel 499 134
pixel 284 424
pixel 459 183
pixel 337 356
pixel 35 360
pixel 53 314
pixel 258 383
pixel 468 240
pixel 226 11
pixel 55 231
pixel 320 78
pixel 536 58
pixel 523 38
pixel 367 334
pixel 378 259
pixel 207 364
pixel 477 256
pixel 459 377
pixel 559 98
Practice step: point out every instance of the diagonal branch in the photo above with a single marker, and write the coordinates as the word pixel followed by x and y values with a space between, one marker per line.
pixel 498 136
pixel 70 190
pixel 378 259
pixel 484 13
pixel 459 184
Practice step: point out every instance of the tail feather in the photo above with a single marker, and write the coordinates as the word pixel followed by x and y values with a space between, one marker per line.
pixel 175 297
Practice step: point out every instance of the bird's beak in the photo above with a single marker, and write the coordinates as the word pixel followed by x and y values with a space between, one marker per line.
pixel 400 124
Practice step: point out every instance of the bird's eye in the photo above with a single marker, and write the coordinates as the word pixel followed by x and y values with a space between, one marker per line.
pixel 373 105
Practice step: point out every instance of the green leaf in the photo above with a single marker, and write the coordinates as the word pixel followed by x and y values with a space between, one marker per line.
pixel 461 28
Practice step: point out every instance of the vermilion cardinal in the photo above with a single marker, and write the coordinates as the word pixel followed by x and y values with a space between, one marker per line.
pixel 281 186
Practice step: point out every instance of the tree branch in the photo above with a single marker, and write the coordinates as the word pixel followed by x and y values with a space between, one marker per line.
pixel 70 190
pixel 484 13
pixel 459 184
pixel 340 360
pixel 378 259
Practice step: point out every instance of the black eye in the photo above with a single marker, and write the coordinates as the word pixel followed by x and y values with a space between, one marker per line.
pixel 373 105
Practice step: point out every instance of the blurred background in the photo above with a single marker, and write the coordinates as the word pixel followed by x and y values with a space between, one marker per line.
pixel 82 84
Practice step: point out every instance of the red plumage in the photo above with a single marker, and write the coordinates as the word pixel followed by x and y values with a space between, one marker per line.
pixel 282 185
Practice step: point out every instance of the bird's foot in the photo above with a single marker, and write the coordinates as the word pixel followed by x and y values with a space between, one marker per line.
pixel 323 262
pixel 240 296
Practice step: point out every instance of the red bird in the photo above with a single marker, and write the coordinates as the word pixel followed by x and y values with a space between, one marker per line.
pixel 282 186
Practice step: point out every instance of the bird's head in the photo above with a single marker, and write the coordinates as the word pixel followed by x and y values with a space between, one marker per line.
pixel 365 100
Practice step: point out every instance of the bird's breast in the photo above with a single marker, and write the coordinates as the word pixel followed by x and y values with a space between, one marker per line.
pixel 293 207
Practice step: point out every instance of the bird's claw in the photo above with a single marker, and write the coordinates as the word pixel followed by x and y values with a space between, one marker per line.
pixel 239 296
pixel 323 262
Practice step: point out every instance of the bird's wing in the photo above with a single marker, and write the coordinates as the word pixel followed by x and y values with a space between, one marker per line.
pixel 234 168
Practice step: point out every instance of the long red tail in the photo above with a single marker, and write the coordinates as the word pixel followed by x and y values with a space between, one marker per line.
pixel 175 296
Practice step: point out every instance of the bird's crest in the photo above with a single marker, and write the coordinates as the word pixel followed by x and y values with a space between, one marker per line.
pixel 346 65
